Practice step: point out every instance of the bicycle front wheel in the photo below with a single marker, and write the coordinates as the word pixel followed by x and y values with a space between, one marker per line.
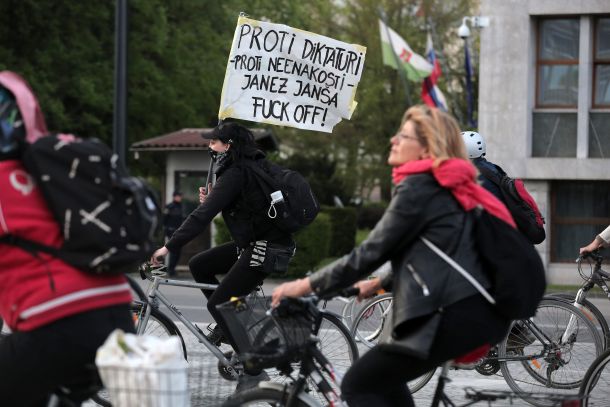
pixel 158 324
pixel 369 325
pixel 550 352
pixel 591 312
pixel 264 397
pixel 596 384
pixel 336 344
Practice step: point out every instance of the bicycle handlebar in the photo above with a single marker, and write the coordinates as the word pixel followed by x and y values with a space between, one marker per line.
pixel 598 258
pixel 148 270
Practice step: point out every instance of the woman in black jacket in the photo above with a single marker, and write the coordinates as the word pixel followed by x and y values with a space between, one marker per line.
pixel 437 314
pixel 258 247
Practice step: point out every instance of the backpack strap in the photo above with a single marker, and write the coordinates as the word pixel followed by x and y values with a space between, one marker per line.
pixel 28 245
pixel 459 269
pixel 494 176
pixel 260 175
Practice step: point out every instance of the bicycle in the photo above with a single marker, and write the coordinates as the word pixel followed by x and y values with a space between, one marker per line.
pixel 596 384
pixel 335 341
pixel 595 277
pixel 368 327
pixel 552 350
pixel 314 367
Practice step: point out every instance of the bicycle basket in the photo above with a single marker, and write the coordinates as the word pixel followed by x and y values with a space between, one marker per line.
pixel 261 331
pixel 151 386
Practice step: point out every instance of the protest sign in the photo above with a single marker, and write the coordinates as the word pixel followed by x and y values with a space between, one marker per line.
pixel 285 76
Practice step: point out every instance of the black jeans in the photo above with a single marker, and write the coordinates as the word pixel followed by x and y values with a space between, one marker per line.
pixel 243 275
pixel 35 363
pixel 379 377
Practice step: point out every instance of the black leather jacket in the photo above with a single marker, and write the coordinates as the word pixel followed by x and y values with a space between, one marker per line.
pixel 423 283
pixel 243 207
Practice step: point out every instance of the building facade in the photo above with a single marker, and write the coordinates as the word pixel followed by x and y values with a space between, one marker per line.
pixel 544 110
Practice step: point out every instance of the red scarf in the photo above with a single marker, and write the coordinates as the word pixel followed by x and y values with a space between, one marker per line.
pixel 458 176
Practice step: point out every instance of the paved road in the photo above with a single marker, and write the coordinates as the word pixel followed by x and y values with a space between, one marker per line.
pixel 212 390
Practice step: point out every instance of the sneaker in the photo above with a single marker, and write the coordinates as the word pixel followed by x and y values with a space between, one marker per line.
pixel 216 336
pixel 247 381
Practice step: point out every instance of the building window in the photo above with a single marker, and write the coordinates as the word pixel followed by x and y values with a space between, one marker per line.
pixel 599 118
pixel 601 63
pixel 579 211
pixel 557 58
pixel 558 63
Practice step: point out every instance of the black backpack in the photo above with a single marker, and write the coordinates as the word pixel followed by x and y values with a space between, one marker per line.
pixel 519 202
pixel 298 206
pixel 108 219
pixel 512 264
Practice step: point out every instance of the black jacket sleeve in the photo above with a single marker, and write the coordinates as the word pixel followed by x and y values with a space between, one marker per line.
pixel 227 189
pixel 401 224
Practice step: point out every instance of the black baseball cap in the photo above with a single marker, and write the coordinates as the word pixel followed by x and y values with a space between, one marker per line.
pixel 229 132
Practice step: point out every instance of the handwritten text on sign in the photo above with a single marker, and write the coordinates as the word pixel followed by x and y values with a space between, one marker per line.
pixel 284 76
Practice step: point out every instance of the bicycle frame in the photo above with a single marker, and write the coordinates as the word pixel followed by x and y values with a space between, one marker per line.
pixel 154 296
pixel 309 369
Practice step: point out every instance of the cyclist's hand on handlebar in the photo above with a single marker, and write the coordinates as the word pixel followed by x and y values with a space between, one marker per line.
pixel 594 245
pixel 368 287
pixel 297 288
pixel 158 256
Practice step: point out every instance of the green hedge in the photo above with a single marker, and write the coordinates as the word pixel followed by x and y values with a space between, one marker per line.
pixel 369 214
pixel 222 232
pixel 343 230
pixel 312 244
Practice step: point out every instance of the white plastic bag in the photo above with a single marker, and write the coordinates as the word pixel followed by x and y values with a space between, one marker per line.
pixel 143 371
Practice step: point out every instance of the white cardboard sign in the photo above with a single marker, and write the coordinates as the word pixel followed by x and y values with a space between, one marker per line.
pixel 289 77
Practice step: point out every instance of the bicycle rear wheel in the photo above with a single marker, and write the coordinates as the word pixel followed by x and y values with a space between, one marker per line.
pixel 368 327
pixel 596 384
pixel 551 354
pixel 591 312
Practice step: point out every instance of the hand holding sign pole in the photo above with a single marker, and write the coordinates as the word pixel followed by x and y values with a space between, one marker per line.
pixel 289 77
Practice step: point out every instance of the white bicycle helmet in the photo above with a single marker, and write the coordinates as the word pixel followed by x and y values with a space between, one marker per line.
pixel 475 144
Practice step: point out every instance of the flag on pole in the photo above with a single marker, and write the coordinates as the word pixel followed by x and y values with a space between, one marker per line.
pixel 430 93
pixel 469 89
pixel 396 51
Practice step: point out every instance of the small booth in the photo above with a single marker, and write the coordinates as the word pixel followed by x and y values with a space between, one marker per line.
pixel 186 169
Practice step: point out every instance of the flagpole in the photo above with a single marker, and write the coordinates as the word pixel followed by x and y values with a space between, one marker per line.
pixel 469 90
pixel 401 72
pixel 445 68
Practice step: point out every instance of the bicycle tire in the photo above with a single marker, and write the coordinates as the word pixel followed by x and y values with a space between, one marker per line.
pixel 158 325
pixel 335 343
pixel 531 367
pixel 591 312
pixel 368 326
pixel 347 311
pixel 595 385
pixel 263 397
pixel 137 291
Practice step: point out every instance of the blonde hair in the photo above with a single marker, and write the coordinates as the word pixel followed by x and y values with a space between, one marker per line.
pixel 437 131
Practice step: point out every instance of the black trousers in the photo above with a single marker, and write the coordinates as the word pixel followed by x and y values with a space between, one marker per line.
pixel 243 275
pixel 34 364
pixel 379 377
